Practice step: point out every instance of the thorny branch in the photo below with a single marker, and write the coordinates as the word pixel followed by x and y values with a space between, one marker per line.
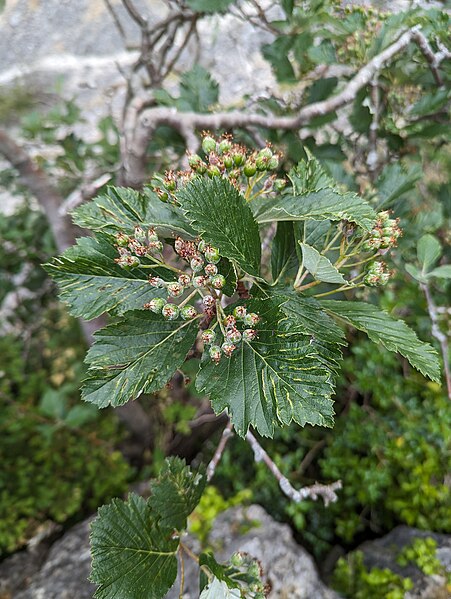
pixel 327 492
pixel 438 334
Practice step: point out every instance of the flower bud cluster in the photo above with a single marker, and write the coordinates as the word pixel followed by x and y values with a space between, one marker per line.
pixel 231 336
pixel 132 248
pixel 377 274
pixel 385 233
pixel 222 157
pixel 202 259
pixel 252 571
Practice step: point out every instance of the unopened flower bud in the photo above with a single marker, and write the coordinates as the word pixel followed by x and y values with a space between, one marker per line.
pixel 188 312
pixel 152 235
pixel 184 280
pixel 215 353
pixel 233 335
pixel 202 245
pixel 208 144
pixel 122 240
pixel 170 311
pixel 211 270
pixel 265 153
pixel 273 163
pixel 155 247
pixel 199 281
pixel 218 281
pixel 208 301
pixel 228 348
pixel 249 169
pixel 155 305
pixel 237 560
pixel 224 146
pixel 251 319
pixel 229 321
pixel 238 158
pixel 280 184
pixel 228 161
pixel 196 263
pixel 249 334
pixel 208 336
pixel 194 160
pixel 157 282
pixel 213 171
pixel 239 312
pixel 139 233
pixel 175 289
pixel 212 254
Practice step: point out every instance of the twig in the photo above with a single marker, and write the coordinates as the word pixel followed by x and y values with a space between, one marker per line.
pixel 437 333
pixel 433 59
pixel 327 492
pixel 117 21
pixel 182 573
pixel 85 192
pixel 226 434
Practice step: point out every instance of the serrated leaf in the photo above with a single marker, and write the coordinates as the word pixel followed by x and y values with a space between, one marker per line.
pixel 220 571
pixel 283 252
pixel 394 182
pixel 132 556
pixel 315 197
pixel 222 217
pixel 272 380
pixel 442 272
pixel 91 283
pixel 393 334
pixel 209 6
pixel 121 208
pixel 217 589
pixel 429 251
pixel 320 267
pixel 137 354
pixel 198 90
pixel 176 493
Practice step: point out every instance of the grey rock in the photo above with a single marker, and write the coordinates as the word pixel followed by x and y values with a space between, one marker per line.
pixel 383 552
pixel 64 571
pixel 288 568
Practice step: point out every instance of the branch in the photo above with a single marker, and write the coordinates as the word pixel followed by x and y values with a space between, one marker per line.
pixel 438 334
pixel 154 117
pixel 226 434
pixel 327 492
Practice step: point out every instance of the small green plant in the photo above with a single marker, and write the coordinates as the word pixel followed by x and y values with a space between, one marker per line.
pixel 423 553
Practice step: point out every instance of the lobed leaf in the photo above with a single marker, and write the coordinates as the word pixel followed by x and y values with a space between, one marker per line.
pixel 176 493
pixel 395 335
pixel 121 208
pixel 137 354
pixel 283 254
pixel 91 282
pixel 222 217
pixel 218 589
pixel 272 380
pixel 132 556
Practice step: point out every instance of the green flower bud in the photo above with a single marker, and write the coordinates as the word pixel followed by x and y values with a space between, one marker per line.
pixel 211 270
pixel 265 153
pixel 199 281
pixel 280 184
pixel 202 246
pixel 251 319
pixel 249 169
pixel 157 282
pixel 213 171
pixel 208 336
pixel 139 233
pixel 208 144
pixel 155 247
pixel 228 348
pixel 228 161
pixel 237 560
pixel 238 158
pixel 152 235
pixel 273 163
pixel 249 334
pixel 262 163
pixel 239 312
pixel 194 160
pixel 175 289
pixel 233 335
pixel 215 353
pixel 224 146
pixel 184 280
pixel 170 311
pixel 122 240
pixel 212 254
pixel 229 321
pixel 218 281
pixel 188 312
pixel 196 264
pixel 155 305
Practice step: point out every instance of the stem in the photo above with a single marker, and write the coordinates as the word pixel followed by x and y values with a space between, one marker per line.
pixel 186 300
pixel 182 574
pixel 188 552
pixel 226 434
pixel 327 492
pixel 312 284
pixel 342 288
pixel 437 333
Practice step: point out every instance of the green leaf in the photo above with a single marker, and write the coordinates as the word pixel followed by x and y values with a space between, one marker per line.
pixel 137 354
pixel 283 254
pixel 198 90
pixel 314 199
pixel 430 103
pixel 393 334
pixel 121 208
pixel 220 571
pixel 272 380
pixel 429 251
pixel 176 493
pixel 132 556
pixel 91 283
pixel 442 272
pixel 394 182
pixel 222 217
pixel 320 267
pixel 217 589
pixel 209 6
pixel 416 273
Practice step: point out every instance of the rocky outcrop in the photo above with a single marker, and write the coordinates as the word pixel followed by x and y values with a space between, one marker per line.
pixel 65 568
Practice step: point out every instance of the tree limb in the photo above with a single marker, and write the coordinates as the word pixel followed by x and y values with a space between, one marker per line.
pixel 151 118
